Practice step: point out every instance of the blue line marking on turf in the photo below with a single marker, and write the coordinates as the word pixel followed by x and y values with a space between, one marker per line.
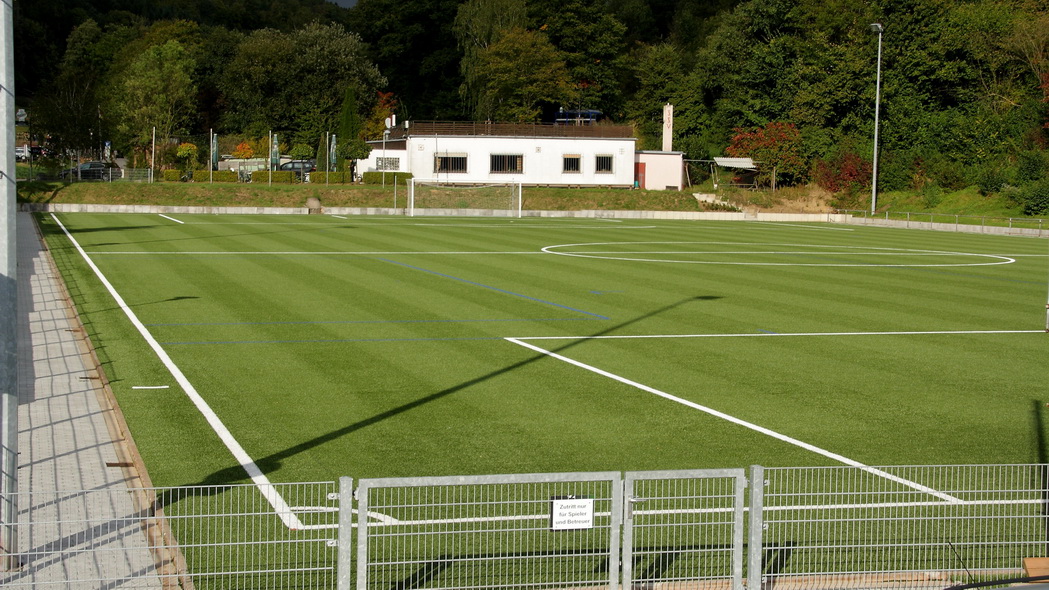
pixel 333 341
pixel 603 292
pixel 324 322
pixel 497 289
pixel 766 331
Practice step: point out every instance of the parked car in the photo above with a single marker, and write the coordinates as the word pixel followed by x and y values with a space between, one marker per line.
pixel 38 151
pixel 21 153
pixel 301 168
pixel 91 171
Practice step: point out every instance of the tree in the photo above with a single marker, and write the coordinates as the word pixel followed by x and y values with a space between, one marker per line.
pixel 157 90
pixel 777 146
pixel 520 72
pixel 293 82
pixel 479 24
pixel 591 42
pixel 657 72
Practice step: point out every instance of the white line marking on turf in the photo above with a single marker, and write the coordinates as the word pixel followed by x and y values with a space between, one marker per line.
pixel 848 251
pixel 339 217
pixel 171 218
pixel 301 253
pixel 740 422
pixel 261 481
pixel 150 386
pixel 776 223
pixel 779 334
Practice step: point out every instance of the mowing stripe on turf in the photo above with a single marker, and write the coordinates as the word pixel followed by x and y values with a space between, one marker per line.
pixel 764 334
pixel 740 422
pixel 496 289
pixel 261 481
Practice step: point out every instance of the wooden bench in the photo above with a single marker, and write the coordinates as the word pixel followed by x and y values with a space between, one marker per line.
pixel 1036 566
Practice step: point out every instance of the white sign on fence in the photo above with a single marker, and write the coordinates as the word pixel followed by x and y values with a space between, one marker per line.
pixel 571 513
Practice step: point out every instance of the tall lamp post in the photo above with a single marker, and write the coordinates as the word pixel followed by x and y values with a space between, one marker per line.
pixel 876 28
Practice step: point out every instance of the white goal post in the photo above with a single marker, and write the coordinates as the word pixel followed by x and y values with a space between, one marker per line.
pixel 430 197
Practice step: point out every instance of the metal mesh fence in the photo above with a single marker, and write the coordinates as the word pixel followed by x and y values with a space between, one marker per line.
pixel 684 527
pixel 811 528
pixel 525 531
pixel 919 526
pixel 197 537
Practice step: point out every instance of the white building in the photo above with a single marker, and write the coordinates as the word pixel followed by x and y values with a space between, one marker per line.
pixel 531 154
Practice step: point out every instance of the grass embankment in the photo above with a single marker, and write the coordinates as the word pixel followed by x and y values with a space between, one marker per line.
pixel 261 195
pixel 803 199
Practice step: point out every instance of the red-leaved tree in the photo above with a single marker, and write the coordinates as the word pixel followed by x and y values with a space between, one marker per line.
pixel 776 147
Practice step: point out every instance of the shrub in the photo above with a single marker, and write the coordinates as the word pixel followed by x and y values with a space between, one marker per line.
pixel 1031 166
pixel 330 178
pixel 845 172
pixel 279 176
pixel 1034 198
pixel 171 175
pixel 990 180
pixel 391 177
pixel 301 151
pixel 215 175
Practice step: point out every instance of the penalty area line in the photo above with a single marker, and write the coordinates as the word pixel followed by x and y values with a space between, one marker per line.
pixel 171 218
pixel 740 422
pixel 267 489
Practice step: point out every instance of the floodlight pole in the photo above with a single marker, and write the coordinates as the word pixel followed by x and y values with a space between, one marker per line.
pixel 876 28
pixel 8 302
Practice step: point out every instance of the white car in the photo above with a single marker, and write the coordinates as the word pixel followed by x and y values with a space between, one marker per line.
pixel 21 152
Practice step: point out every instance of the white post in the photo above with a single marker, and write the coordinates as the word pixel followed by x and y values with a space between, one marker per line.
pixel 269 160
pixel 877 28
pixel 153 156
pixel 8 304
pixel 211 156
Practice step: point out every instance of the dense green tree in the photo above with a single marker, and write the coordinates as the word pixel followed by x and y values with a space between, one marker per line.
pixel 294 82
pixel 479 24
pixel 518 74
pixel 157 91
pixel 657 74
pixel 414 45
pixel 592 42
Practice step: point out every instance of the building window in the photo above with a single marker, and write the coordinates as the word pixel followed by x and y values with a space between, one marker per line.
pixel 387 163
pixel 603 164
pixel 507 163
pixel 449 163
pixel 571 164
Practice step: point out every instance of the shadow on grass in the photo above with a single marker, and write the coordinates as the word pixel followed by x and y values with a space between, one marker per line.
pixel 272 462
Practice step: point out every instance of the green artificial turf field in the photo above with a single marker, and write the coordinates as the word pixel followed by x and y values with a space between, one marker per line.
pixel 383 346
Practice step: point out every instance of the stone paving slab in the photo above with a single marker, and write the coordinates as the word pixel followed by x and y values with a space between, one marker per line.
pixel 78 524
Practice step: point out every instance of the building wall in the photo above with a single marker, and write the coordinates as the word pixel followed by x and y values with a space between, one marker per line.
pixel 662 170
pixel 530 160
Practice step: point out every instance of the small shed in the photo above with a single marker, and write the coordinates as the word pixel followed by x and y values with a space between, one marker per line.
pixel 657 170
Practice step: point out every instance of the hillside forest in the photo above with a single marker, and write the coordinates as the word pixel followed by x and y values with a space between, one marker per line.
pixel 964 83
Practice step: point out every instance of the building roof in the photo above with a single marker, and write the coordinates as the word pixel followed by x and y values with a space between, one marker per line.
pixel 747 163
pixel 534 130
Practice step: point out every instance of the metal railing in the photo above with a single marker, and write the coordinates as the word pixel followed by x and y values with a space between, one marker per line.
pixel 188 537
pixel 807 528
pixel 954 221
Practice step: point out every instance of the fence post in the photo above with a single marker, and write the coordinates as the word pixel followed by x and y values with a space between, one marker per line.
pixel 344 566
pixel 755 553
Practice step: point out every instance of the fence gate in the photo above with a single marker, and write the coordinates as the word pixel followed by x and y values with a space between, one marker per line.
pixel 526 531
pixel 682 527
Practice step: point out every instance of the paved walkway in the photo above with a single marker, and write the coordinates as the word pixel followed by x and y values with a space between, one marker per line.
pixel 78 525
